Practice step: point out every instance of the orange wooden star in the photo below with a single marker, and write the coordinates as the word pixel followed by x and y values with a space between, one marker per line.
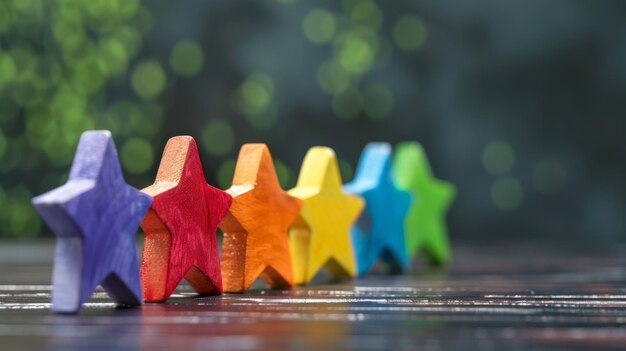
pixel 255 229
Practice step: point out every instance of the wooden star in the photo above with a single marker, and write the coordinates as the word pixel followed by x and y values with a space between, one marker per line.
pixel 180 227
pixel 255 228
pixel 425 222
pixel 322 235
pixel 94 216
pixel 379 232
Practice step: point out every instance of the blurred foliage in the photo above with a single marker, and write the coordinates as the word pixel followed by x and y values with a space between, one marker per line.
pixel 64 68
pixel 359 46
pixel 486 87
pixel 70 65
pixel 253 100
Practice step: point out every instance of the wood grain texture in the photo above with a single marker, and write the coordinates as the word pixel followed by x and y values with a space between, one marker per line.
pixel 180 228
pixel 94 216
pixel 425 225
pixel 520 296
pixel 379 232
pixel 321 238
pixel 255 229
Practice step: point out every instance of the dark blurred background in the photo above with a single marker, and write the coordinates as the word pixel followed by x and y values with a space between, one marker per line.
pixel 521 104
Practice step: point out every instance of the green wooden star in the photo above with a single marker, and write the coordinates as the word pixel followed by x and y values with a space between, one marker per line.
pixel 425 226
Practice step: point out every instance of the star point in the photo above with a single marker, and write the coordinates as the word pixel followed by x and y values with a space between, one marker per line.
pixel 255 228
pixel 379 231
pixel 180 227
pixel 425 224
pixel 321 237
pixel 94 216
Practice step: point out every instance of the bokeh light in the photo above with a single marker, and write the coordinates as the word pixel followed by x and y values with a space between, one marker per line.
pixel 217 137
pixel 498 157
pixel 137 155
pixel 365 13
pixel 354 52
pixel 129 37
pixel 7 69
pixel 409 33
pixel 319 26
pixel 332 78
pixel 254 100
pixel 357 48
pixel 148 79
pixel 112 57
pixel 187 58
pixel 507 193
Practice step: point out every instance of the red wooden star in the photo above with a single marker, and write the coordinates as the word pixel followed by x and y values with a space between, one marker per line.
pixel 180 240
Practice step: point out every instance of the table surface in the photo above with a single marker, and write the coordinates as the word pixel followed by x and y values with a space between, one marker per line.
pixel 514 297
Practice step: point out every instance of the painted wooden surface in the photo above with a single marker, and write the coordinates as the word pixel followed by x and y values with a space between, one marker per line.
pixel 379 232
pixel 255 240
pixel 180 227
pixel 425 222
pixel 491 297
pixel 321 236
pixel 94 217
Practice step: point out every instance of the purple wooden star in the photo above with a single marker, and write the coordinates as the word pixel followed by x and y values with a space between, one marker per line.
pixel 94 216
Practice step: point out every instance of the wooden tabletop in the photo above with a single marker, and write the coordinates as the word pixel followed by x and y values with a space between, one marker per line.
pixel 493 297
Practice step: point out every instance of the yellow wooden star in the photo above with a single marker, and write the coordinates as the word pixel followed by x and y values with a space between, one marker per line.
pixel 321 236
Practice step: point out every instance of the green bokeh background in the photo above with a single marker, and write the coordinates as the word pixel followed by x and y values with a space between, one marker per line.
pixel 516 103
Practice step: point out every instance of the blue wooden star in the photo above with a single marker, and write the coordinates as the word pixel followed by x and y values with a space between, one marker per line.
pixel 379 232
pixel 94 216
